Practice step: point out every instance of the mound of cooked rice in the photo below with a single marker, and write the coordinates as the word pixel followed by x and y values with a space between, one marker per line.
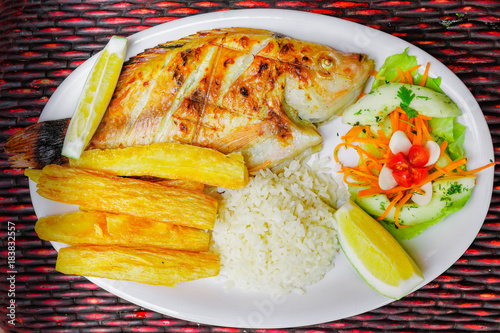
pixel 276 234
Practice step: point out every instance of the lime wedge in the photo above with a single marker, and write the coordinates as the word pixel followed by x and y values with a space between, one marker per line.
pixel 375 253
pixel 95 97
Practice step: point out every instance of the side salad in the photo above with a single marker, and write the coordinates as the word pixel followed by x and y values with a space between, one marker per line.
pixel 412 165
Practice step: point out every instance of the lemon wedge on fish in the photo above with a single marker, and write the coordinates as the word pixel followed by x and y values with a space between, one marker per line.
pixel 375 253
pixel 95 97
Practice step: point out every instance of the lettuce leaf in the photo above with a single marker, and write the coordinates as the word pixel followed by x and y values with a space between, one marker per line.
pixel 389 70
pixel 453 132
pixel 431 83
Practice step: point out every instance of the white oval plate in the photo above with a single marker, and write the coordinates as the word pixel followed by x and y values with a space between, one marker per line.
pixel 342 293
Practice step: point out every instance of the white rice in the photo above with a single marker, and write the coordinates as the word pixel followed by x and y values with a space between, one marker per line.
pixel 276 234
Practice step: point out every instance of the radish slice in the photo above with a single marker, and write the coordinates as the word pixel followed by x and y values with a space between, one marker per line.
pixel 348 157
pixel 434 152
pixel 399 143
pixel 423 199
pixel 386 180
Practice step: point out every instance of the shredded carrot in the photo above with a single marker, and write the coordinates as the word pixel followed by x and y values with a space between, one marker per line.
pixel 455 165
pixel 395 120
pixel 369 191
pixel 353 133
pixel 396 189
pixel 443 147
pixel 425 130
pixel 444 171
pixel 392 203
pixel 417 138
pixel 473 171
pixel 381 134
pixel 365 175
pixel 403 122
pixel 400 77
pixel 455 177
pixel 399 206
pixel 421 116
pixel 424 76
pixel 408 78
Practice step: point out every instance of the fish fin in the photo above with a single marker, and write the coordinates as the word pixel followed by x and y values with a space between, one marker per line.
pixel 38 145
pixel 272 151
pixel 242 137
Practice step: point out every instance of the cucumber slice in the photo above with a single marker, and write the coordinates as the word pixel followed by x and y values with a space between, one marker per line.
pixel 373 108
pixel 449 196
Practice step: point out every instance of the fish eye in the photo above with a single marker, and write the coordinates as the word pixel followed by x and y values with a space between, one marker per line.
pixel 326 63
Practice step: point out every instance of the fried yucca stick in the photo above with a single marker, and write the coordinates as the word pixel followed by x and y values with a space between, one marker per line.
pixel 184 183
pixel 146 265
pixel 33 174
pixel 169 160
pixel 97 191
pixel 101 228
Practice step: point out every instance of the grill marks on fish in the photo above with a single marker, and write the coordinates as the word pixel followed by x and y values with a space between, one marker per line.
pixel 234 83
pixel 143 99
pixel 195 81
pixel 236 62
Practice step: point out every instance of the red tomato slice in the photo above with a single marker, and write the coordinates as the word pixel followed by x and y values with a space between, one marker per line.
pixel 418 175
pixel 418 156
pixel 399 162
pixel 403 177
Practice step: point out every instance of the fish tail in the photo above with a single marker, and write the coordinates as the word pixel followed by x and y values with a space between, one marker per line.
pixel 38 145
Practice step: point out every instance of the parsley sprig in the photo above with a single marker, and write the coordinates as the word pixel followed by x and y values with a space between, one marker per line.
pixel 406 97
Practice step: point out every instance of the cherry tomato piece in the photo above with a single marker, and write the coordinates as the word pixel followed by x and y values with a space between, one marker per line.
pixel 399 162
pixel 418 156
pixel 418 175
pixel 403 177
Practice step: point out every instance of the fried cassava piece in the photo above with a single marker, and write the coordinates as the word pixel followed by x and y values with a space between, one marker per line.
pixel 34 175
pixel 244 90
pixel 183 183
pixel 169 160
pixel 94 190
pixel 146 265
pixel 101 228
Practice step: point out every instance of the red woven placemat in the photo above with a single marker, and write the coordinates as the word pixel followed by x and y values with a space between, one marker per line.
pixel 42 42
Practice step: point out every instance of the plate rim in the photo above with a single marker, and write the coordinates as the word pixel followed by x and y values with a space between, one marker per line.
pixel 223 18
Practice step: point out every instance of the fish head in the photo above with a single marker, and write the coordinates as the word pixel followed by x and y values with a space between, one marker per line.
pixel 321 82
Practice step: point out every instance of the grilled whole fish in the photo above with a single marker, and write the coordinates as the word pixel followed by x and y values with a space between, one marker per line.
pixel 235 89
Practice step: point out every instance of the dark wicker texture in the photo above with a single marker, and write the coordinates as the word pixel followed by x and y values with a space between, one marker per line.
pixel 43 41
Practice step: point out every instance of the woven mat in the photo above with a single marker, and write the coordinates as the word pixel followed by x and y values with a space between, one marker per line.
pixel 42 42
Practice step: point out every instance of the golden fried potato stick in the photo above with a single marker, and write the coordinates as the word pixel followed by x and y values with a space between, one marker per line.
pixel 169 160
pixel 101 228
pixel 97 191
pixel 146 265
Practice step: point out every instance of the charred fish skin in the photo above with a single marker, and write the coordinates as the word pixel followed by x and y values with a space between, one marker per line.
pixel 235 89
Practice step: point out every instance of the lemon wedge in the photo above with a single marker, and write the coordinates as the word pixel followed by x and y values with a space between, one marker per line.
pixel 95 97
pixel 375 253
